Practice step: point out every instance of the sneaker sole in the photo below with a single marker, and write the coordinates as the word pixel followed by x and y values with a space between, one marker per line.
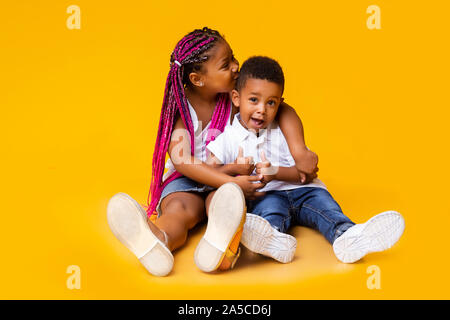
pixel 128 222
pixel 379 233
pixel 226 213
pixel 260 237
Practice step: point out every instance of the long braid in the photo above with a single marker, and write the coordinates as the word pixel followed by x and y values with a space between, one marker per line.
pixel 190 53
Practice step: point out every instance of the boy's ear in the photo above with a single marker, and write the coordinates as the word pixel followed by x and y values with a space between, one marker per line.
pixel 235 97
pixel 282 100
pixel 196 79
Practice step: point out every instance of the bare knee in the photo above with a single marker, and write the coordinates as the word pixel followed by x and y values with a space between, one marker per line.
pixel 188 213
pixel 174 206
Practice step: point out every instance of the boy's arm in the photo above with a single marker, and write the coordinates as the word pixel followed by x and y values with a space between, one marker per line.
pixel 292 128
pixel 270 172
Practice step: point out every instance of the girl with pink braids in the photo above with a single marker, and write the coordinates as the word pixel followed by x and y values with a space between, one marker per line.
pixel 203 72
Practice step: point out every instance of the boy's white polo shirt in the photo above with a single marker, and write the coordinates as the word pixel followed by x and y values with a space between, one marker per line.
pixel 226 148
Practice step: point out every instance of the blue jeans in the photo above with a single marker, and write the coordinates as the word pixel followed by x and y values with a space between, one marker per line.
pixel 306 206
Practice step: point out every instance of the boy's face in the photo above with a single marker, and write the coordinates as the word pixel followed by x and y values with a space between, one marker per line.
pixel 258 103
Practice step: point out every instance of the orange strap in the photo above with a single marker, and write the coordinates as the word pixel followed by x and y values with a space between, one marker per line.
pixel 230 255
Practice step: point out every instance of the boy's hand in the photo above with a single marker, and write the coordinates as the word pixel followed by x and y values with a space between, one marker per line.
pixel 242 165
pixel 265 169
pixel 307 167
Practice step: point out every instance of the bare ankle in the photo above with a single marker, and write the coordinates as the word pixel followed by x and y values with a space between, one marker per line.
pixel 160 234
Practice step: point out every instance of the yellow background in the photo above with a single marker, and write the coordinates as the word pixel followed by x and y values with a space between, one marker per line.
pixel 79 114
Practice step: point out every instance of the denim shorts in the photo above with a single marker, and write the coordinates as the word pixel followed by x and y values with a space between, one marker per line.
pixel 182 184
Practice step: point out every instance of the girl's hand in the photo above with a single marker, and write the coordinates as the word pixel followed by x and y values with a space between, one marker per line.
pixel 249 186
pixel 307 166
pixel 266 169
pixel 242 165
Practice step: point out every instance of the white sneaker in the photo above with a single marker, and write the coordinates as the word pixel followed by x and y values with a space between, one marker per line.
pixel 378 234
pixel 128 221
pixel 260 237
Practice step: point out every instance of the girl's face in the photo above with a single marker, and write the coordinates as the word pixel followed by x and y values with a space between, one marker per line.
pixel 221 70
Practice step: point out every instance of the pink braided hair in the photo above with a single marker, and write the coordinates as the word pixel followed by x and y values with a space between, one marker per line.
pixel 189 53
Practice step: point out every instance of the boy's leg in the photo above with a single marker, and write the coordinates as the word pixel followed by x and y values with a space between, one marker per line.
pixel 274 207
pixel 265 226
pixel 379 233
pixel 316 208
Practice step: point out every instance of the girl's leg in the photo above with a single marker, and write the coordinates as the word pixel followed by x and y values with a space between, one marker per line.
pixel 208 201
pixel 129 223
pixel 226 264
pixel 181 211
pixel 233 246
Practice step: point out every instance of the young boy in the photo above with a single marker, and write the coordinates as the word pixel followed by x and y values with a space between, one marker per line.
pixel 255 133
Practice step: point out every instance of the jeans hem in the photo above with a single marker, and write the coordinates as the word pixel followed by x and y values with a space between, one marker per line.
pixel 341 230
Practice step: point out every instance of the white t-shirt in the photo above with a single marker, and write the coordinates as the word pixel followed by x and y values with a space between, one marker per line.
pixel 200 137
pixel 226 148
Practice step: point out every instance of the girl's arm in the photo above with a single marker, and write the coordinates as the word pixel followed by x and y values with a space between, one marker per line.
pixel 195 169
pixel 241 165
pixel 292 128
pixel 228 168
pixel 288 174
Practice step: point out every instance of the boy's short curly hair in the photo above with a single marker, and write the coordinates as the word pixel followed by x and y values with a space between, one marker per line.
pixel 260 67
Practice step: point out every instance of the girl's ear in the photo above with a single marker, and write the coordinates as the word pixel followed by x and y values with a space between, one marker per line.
pixel 196 79
pixel 235 98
